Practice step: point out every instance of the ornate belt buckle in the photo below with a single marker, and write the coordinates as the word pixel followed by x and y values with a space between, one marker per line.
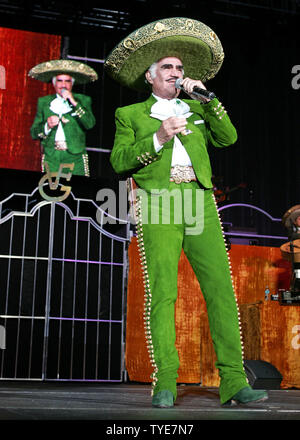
pixel 177 179
pixel 61 145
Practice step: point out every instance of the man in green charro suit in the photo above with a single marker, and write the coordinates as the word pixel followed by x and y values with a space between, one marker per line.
pixel 62 120
pixel 162 143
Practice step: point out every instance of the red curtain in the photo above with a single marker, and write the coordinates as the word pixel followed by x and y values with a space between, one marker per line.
pixel 20 51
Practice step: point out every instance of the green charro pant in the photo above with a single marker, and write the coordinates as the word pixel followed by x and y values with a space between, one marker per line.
pixel 57 157
pixel 160 244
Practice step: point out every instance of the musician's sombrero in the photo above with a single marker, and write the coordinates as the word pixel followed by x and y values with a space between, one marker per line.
pixel 290 215
pixel 81 72
pixel 193 42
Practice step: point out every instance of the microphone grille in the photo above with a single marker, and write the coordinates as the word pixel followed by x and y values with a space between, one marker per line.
pixel 178 83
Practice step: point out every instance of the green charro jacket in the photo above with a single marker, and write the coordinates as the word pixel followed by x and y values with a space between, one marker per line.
pixel 80 119
pixel 134 154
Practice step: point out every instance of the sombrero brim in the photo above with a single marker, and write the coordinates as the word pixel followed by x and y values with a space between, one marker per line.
pixel 79 71
pixel 193 42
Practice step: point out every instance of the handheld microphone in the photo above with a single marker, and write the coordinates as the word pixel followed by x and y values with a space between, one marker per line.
pixel 65 100
pixel 203 93
pixel 64 90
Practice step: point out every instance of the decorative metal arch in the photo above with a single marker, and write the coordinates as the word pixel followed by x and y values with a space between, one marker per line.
pixel 255 208
pixel 63 289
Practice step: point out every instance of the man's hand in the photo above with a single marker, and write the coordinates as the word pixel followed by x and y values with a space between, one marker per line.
pixel 188 84
pixel 169 128
pixel 52 121
pixel 67 95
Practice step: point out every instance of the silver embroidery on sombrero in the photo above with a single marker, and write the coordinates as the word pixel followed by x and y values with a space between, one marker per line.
pixel 147 290
pixel 230 269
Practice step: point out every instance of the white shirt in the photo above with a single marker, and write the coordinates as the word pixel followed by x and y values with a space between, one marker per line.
pixel 59 106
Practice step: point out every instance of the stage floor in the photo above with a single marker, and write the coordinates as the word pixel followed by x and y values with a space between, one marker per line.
pixel 52 401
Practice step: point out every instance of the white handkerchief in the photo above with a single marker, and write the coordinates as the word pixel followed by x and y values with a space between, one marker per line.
pixel 60 106
pixel 165 108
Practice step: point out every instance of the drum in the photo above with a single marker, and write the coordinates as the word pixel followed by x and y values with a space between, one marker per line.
pixel 291 251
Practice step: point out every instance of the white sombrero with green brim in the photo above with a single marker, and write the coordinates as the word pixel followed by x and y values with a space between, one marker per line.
pixel 79 71
pixel 194 43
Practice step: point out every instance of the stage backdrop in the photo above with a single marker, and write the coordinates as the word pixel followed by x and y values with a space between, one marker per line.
pixel 20 51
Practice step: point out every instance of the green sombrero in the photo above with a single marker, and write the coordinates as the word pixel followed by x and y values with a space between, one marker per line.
pixel 193 42
pixel 79 71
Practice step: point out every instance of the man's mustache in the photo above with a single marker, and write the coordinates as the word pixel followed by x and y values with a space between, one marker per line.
pixel 173 79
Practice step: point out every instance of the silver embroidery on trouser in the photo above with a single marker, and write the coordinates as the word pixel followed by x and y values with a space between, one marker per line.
pixel 147 290
pixel 85 159
pixel 43 162
pixel 229 263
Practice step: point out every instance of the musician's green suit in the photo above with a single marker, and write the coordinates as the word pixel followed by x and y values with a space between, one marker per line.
pixel 79 119
pixel 161 244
